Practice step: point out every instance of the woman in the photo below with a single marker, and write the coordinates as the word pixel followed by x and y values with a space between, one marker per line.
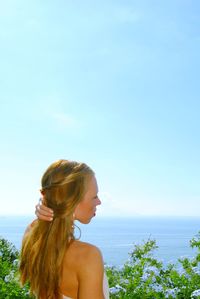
pixel 52 260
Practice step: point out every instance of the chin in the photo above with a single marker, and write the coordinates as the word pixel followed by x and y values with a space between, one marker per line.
pixel 85 221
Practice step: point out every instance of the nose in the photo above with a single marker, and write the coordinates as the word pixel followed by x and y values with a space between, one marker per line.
pixel 98 201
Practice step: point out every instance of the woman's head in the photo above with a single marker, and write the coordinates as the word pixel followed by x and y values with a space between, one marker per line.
pixel 69 188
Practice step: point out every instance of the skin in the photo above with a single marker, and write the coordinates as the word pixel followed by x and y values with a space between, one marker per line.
pixel 83 264
pixel 83 271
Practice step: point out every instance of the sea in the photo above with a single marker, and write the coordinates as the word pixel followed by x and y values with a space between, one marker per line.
pixel 116 237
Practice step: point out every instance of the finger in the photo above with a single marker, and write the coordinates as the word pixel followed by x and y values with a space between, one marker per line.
pixel 45 210
pixel 42 217
pixel 41 207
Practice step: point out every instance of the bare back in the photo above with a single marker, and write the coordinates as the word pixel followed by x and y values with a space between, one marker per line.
pixel 83 271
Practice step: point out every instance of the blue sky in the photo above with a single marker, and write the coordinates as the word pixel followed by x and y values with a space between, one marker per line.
pixel 112 83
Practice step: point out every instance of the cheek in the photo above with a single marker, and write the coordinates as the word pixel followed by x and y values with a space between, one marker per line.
pixel 83 208
pixel 88 207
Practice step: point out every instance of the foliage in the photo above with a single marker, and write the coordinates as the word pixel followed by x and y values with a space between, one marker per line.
pixel 144 277
pixel 9 278
pixel 141 277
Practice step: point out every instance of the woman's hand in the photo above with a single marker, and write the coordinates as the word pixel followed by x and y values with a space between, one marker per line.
pixel 42 212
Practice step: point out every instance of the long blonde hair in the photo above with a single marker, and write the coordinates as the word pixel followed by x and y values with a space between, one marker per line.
pixel 63 185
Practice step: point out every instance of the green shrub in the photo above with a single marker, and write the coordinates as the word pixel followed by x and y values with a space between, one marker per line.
pixel 144 277
pixel 9 278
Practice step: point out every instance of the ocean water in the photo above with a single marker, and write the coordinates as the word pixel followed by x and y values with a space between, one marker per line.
pixel 116 236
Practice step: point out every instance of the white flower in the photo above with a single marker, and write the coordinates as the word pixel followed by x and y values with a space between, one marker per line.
pixel 116 289
pixel 147 255
pixel 149 272
pixel 9 277
pixel 196 270
pixel 125 281
pixel 182 271
pixel 145 276
pixel 195 293
pixel 156 287
pixel 107 266
pixel 16 262
pixel 153 269
pixel 171 292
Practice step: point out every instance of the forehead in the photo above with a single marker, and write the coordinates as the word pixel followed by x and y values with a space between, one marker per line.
pixel 92 186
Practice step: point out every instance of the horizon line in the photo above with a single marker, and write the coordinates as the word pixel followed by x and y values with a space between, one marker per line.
pixel 115 216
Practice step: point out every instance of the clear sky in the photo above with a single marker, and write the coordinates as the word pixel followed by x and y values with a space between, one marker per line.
pixel 112 83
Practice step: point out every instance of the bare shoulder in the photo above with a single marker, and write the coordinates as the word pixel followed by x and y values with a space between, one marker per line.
pixel 84 262
pixel 86 251
pixel 84 254
pixel 90 270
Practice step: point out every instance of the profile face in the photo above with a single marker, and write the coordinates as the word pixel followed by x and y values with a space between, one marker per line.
pixel 86 209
